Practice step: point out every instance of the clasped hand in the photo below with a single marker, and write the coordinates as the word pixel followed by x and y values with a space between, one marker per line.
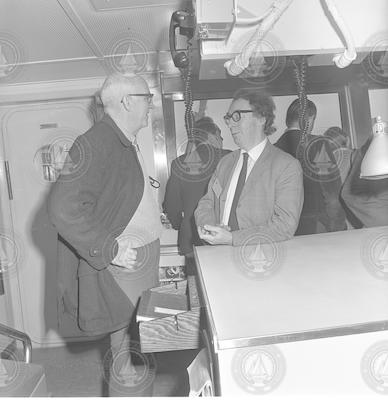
pixel 125 259
pixel 219 234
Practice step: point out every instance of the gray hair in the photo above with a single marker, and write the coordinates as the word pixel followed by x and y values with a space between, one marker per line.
pixel 114 88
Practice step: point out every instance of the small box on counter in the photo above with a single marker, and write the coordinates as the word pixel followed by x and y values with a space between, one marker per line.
pixel 170 274
pixel 169 317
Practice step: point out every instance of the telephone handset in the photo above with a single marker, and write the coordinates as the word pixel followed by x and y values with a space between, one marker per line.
pixel 185 21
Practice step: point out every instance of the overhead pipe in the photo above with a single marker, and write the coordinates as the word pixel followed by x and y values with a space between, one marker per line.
pixel 237 65
pixel 348 56
pixel 249 21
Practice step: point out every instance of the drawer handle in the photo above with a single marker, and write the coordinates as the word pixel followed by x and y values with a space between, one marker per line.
pixel 8 178
pixel 176 322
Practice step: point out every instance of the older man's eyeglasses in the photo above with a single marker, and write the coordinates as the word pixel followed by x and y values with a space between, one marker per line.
pixel 148 95
pixel 235 116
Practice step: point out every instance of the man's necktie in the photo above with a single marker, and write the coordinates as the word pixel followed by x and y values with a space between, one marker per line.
pixel 233 224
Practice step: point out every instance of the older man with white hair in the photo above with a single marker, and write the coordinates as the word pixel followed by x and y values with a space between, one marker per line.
pixel 105 211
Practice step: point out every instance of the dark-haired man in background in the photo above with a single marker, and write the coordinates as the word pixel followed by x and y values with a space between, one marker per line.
pixel 321 202
pixel 290 139
pixel 257 190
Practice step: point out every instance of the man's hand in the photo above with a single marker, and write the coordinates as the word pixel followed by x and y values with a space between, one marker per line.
pixel 126 259
pixel 215 234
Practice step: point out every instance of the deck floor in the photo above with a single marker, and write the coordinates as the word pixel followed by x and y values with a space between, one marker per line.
pixel 76 370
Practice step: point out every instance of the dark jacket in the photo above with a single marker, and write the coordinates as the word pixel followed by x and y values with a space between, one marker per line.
pixel 90 206
pixel 185 189
pixel 321 196
pixel 366 199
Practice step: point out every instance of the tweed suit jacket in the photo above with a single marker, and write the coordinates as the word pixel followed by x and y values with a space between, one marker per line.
pixel 271 200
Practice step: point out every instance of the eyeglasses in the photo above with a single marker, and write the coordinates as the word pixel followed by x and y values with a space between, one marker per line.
pixel 148 95
pixel 235 116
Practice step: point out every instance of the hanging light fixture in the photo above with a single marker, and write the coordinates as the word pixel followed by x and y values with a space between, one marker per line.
pixel 375 162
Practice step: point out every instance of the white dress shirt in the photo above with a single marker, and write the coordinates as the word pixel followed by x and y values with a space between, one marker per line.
pixel 253 156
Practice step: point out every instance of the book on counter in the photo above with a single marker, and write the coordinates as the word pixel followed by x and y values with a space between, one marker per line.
pixel 169 249
pixel 155 305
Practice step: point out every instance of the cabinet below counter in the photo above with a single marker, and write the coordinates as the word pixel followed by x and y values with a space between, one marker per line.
pixel 301 317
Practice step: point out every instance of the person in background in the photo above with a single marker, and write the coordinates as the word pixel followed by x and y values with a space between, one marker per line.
pixel 338 145
pixel 185 188
pixel 290 139
pixel 321 206
pixel 257 190
pixel 341 150
pixel 366 200
pixel 105 212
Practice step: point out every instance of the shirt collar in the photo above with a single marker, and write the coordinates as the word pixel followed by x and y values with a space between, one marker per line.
pixel 123 139
pixel 291 129
pixel 255 152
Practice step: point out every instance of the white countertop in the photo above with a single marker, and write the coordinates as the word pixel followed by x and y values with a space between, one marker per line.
pixel 322 284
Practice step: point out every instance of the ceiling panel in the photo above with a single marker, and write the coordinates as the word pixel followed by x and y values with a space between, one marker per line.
pixel 63 39
pixel 41 30
pixel 147 27
pixel 103 5
pixel 70 70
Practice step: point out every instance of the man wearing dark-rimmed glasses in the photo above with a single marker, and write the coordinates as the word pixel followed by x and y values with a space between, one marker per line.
pixel 148 96
pixel 257 190
pixel 108 217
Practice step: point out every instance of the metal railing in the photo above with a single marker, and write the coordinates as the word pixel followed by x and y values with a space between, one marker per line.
pixel 17 335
